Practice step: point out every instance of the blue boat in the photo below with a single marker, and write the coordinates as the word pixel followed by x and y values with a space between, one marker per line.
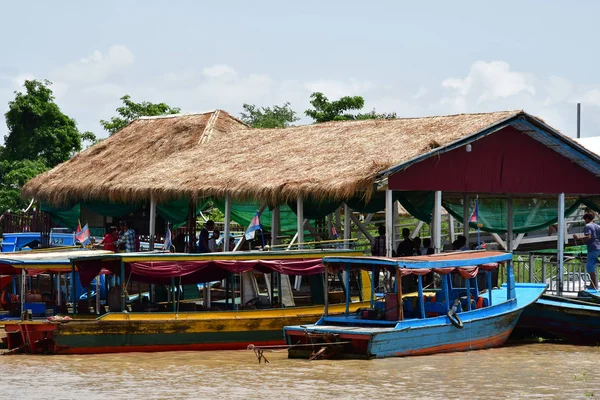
pixel 30 240
pixel 431 321
pixel 573 320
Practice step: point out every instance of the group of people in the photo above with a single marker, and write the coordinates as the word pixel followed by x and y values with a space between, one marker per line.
pixel 122 239
pixel 207 243
pixel 408 246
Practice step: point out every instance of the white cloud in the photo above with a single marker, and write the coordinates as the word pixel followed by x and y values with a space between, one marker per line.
pixel 591 97
pixel 422 92
pixel 559 89
pixel 97 66
pixel 334 89
pixel 488 81
pixel 220 71
pixel 110 90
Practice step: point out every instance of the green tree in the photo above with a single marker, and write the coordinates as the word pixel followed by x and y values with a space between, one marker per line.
pixel 131 111
pixel 38 129
pixel 13 175
pixel 267 117
pixel 325 110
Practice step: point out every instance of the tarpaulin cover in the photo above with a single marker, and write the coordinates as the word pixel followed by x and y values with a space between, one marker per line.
pixel 189 272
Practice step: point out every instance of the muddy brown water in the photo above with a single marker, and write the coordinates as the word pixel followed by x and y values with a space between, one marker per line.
pixel 538 370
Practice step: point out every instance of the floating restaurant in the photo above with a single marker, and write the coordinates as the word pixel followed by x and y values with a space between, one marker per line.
pixel 532 174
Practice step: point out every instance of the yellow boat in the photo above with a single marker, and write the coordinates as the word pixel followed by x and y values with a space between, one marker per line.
pixel 117 332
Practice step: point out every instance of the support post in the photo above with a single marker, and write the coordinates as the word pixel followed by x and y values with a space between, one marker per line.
pixel 300 221
pixel 275 219
pixel 437 211
pixel 466 217
pixel 152 228
pixel 446 290
pixel 373 272
pixel 58 289
pixel 399 294
pixel 488 278
pixel 24 289
pixel 509 224
pixel 389 223
pixel 468 286
pixel 347 284
pixel 326 286
pixel 421 299
pixel 347 226
pixel 561 242
pixel 98 294
pixel 73 294
pixel 227 223
pixel 122 286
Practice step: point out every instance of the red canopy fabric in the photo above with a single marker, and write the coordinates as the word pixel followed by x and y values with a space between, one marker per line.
pixel 189 272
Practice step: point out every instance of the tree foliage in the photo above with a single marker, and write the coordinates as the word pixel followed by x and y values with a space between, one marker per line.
pixel 131 111
pixel 13 175
pixel 267 117
pixel 325 110
pixel 38 129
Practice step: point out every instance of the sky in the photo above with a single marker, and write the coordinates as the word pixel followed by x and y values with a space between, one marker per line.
pixel 413 58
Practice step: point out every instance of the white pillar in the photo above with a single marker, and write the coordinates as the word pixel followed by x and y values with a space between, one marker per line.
pixel 274 226
pixel 389 223
pixel 300 221
pixel 347 226
pixel 561 241
pixel 395 205
pixel 437 217
pixel 227 231
pixel 152 229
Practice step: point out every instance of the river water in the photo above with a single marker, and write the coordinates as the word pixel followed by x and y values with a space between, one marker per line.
pixel 536 370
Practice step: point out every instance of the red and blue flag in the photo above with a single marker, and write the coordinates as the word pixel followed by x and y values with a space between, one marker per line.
pixel 253 227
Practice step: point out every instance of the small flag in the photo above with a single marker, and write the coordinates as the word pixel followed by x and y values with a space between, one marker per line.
pixel 334 233
pixel 475 215
pixel 83 235
pixel 253 227
pixel 168 240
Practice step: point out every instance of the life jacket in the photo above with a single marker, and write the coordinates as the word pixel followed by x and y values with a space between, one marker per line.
pixel 479 303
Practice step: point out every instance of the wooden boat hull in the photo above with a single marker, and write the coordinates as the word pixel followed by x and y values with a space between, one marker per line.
pixel 553 317
pixel 482 328
pixel 121 333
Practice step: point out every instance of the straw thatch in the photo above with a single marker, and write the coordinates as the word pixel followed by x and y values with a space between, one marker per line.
pixel 331 161
pixel 130 154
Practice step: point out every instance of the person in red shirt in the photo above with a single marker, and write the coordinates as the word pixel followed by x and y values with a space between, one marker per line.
pixel 109 240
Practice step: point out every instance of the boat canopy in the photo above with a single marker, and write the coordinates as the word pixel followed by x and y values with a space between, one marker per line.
pixel 465 263
pixel 38 262
pixel 196 271
pixel 160 268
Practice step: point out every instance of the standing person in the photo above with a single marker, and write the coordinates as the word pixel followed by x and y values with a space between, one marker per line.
pixel 110 239
pixel 405 248
pixel 378 248
pixel 128 237
pixel 591 237
pixel 212 242
pixel 204 234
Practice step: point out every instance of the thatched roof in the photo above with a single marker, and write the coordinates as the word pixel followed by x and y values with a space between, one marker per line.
pixel 130 153
pixel 332 160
